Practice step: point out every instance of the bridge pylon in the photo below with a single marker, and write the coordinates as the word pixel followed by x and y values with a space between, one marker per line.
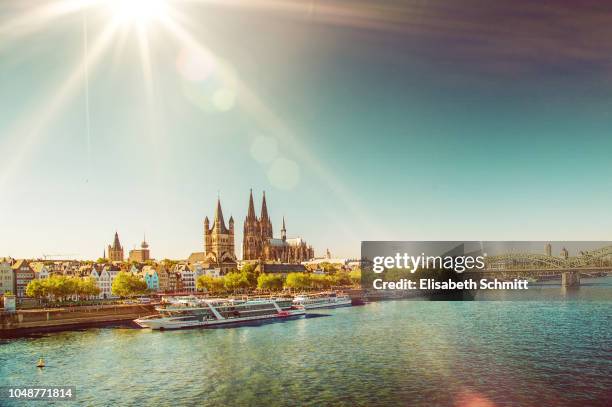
pixel 570 279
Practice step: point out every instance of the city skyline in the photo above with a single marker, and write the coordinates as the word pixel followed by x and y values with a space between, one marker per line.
pixel 359 125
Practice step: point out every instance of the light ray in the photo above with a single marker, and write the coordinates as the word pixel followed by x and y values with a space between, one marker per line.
pixel 275 126
pixel 38 18
pixel 145 59
pixel 86 79
pixel 25 133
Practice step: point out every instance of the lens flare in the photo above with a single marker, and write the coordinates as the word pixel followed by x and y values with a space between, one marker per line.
pixel 138 11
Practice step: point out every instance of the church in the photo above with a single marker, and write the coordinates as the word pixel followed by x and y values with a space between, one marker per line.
pixel 115 252
pixel 218 244
pixel 259 244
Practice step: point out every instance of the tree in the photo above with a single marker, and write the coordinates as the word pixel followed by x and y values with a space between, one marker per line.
pixel 355 276
pixel 298 281
pixel 60 287
pixel 252 274
pixel 36 289
pixel 128 285
pixel 236 281
pixel 342 278
pixel 273 282
pixel 101 260
pixel 329 267
pixel 87 287
pixel 210 284
pixel 321 281
pixel 249 267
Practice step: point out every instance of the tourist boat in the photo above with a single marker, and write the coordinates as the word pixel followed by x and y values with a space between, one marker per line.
pixel 327 300
pixel 189 312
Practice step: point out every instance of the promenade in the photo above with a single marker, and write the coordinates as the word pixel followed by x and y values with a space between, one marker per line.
pixel 54 319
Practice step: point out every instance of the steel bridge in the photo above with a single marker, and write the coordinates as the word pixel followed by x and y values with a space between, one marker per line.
pixel 594 259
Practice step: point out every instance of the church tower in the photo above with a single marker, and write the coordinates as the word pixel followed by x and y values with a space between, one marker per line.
pixel 115 252
pixel 219 240
pixel 251 242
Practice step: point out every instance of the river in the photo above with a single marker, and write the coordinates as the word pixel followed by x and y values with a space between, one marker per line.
pixel 537 352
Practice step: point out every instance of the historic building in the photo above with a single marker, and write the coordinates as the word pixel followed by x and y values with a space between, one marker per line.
pixel 218 239
pixel 150 276
pixel 115 252
pixel 7 277
pixel 23 275
pixel 259 244
pixel 140 255
pixel 219 249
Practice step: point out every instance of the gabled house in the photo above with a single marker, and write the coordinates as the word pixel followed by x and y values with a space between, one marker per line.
pixel 23 275
pixel 149 275
pixel 187 277
pixel 41 270
pixel 7 277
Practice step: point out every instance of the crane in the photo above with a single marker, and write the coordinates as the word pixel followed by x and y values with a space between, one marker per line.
pixel 56 256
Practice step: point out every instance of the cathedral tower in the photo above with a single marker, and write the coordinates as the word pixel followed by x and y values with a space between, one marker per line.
pixel 251 243
pixel 284 231
pixel 265 224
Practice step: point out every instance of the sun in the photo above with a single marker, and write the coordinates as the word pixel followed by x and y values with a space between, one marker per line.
pixel 138 11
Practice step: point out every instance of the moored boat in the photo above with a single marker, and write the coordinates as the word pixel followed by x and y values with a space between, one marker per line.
pixel 325 300
pixel 191 312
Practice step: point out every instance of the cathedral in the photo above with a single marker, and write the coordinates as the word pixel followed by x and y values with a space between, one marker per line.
pixel 259 244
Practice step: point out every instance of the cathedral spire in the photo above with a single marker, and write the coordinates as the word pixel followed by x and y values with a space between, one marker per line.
pixel 264 207
pixel 251 213
pixel 284 230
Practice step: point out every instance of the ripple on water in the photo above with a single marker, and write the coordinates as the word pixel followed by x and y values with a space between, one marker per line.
pixel 402 352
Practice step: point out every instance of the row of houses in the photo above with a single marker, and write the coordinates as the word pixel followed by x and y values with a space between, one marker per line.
pixel 15 275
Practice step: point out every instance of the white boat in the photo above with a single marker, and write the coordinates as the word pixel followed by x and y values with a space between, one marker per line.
pixel 191 312
pixel 331 300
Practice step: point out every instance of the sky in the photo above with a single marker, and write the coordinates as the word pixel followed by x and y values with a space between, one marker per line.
pixel 362 120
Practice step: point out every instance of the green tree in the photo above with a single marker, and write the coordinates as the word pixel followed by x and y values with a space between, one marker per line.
pixel 210 284
pixel 342 278
pixel 101 260
pixel 249 267
pixel 329 267
pixel 355 276
pixel 273 282
pixel 87 287
pixel 298 281
pixel 252 274
pixel 128 285
pixel 236 281
pixel 36 289
pixel 60 287
pixel 321 281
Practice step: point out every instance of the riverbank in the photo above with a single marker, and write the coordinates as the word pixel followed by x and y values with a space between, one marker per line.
pixel 24 322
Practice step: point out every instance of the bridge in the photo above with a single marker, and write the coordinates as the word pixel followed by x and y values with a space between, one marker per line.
pixel 570 268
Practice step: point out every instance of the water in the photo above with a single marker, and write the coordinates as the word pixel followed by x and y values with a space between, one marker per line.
pixel 416 353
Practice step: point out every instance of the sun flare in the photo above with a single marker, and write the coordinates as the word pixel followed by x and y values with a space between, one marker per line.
pixel 138 11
